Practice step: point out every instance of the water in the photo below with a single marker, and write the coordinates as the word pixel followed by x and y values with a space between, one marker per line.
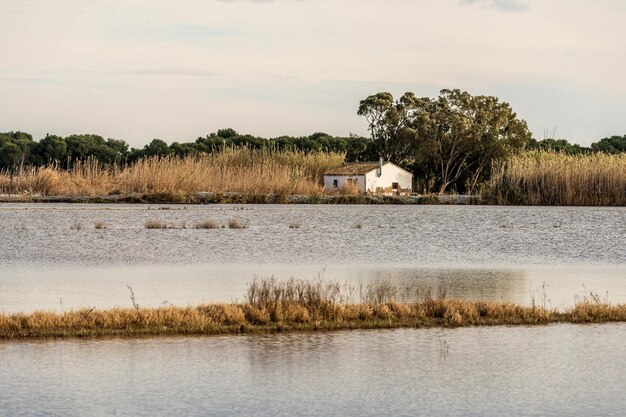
pixel 548 371
pixel 53 258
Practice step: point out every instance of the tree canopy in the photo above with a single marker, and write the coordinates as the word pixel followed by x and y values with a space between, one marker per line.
pixel 450 140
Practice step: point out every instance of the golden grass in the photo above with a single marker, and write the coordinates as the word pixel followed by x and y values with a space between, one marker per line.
pixel 207 224
pixel 236 224
pixel 155 224
pixel 297 305
pixel 246 171
pixel 548 178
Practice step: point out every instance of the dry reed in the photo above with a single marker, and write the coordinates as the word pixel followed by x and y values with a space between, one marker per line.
pixel 156 224
pixel 236 224
pixel 246 171
pixel 548 178
pixel 207 224
pixel 271 305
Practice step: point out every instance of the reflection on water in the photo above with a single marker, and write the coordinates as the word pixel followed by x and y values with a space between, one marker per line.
pixel 468 283
pixel 495 253
pixel 62 289
pixel 547 370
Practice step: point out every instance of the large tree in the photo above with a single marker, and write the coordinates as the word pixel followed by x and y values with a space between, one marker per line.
pixel 451 140
pixel 390 124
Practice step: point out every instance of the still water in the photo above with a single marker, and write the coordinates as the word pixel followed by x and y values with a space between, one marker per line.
pixel 560 370
pixel 53 258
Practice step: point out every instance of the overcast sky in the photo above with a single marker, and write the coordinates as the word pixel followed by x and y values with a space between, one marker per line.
pixel 138 70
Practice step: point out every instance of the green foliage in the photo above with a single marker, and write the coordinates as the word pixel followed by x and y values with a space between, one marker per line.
pixel 556 145
pixel 449 141
pixel 10 155
pixel 613 144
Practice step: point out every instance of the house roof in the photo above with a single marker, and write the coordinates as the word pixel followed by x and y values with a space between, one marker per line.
pixel 354 168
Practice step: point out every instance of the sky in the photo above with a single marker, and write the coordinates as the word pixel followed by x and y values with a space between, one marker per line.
pixel 143 69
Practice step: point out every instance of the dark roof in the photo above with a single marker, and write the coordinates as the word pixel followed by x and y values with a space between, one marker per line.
pixel 354 168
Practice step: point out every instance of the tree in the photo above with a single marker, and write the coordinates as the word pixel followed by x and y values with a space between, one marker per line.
pixel 52 148
pixel 10 155
pixel 557 145
pixel 389 124
pixel 464 134
pixel 500 133
pixel 157 147
pixel 23 141
pixel 119 147
pixel 614 144
pixel 451 140
pixel 227 133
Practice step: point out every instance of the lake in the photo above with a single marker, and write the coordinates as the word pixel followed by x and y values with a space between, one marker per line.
pixel 535 371
pixel 52 257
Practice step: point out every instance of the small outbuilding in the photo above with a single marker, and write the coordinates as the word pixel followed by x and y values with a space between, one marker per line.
pixel 370 177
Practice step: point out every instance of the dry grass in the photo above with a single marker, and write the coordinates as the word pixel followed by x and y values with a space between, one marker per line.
pixel 207 224
pixel 548 178
pixel 232 170
pixel 156 224
pixel 236 224
pixel 271 305
pixel 100 225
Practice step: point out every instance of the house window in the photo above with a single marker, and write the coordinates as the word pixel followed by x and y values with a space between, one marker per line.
pixel 395 186
pixel 335 183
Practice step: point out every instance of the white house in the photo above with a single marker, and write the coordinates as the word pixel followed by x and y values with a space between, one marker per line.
pixel 370 177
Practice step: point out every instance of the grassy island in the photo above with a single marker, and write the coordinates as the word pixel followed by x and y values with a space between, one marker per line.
pixel 295 305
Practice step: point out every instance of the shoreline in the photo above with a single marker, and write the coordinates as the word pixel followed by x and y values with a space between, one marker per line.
pixel 242 198
pixel 251 318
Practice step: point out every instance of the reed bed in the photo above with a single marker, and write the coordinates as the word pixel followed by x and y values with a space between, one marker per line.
pixel 208 224
pixel 245 171
pixel 549 178
pixel 273 306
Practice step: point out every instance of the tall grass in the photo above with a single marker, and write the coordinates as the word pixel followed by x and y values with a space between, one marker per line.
pixel 231 170
pixel 549 178
pixel 272 305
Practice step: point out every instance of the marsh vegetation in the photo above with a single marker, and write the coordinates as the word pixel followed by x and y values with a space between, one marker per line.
pixel 274 306
pixel 239 170
pixel 549 178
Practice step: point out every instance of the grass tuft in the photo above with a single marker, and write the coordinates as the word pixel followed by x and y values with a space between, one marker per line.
pixel 207 224
pixel 155 224
pixel 236 224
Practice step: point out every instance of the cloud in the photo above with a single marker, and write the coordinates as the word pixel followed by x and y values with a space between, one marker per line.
pixel 504 5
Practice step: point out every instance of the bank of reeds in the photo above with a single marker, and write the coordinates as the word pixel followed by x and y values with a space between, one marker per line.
pixel 273 306
pixel 549 178
pixel 246 171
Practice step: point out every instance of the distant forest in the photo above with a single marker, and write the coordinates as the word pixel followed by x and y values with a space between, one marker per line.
pixel 19 148
pixel 449 142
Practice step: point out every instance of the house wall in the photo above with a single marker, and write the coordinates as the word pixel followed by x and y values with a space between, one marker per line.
pixel 342 181
pixel 390 174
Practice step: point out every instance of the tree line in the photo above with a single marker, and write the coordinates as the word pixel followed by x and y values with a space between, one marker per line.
pixel 449 142
pixel 18 149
